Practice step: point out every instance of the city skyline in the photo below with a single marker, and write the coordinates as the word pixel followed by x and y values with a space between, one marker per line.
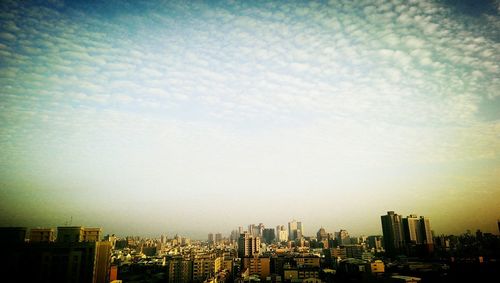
pixel 193 117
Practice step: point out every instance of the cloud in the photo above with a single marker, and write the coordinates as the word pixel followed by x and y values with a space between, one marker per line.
pixel 382 82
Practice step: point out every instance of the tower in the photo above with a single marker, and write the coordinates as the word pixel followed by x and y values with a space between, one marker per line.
pixel 393 233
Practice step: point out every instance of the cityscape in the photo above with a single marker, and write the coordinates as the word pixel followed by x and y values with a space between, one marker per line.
pixel 219 141
pixel 408 250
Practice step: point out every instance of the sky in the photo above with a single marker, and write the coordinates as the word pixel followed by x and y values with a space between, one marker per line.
pixel 190 117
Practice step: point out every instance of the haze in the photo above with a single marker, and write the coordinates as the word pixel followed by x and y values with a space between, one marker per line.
pixel 189 117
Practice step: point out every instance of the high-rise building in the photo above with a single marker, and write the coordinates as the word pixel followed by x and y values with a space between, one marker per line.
pixel 300 230
pixel 256 230
pixel 248 245
pixel 295 230
pixel 426 231
pixel 281 233
pixel 218 238
pixel 375 242
pixel 343 238
pixel 321 235
pixel 392 229
pixel 268 235
pixel 261 228
pixel 210 238
pixel 412 230
pixel 70 259
pixel 12 234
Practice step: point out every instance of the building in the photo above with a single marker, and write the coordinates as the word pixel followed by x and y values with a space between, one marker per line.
pixel 281 233
pixel 42 235
pixel 295 230
pixel 426 231
pixel 69 234
pixel 206 266
pixel 218 238
pixel 377 266
pixel 254 230
pixel 307 261
pixel 353 251
pixel 392 228
pixel 68 260
pixel 321 235
pixel 13 234
pixel 343 238
pixel 210 238
pixel 259 266
pixel 374 242
pixel 91 234
pixel 178 269
pixel 268 235
pixel 248 245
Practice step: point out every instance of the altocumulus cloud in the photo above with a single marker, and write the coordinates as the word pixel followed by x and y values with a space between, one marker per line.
pixel 382 82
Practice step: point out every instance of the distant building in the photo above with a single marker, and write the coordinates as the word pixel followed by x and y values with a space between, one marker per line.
pixel 392 228
pixel 321 234
pixel 218 238
pixel 295 230
pixel 254 230
pixel 374 242
pixel 343 238
pixel 410 235
pixel 281 233
pixel 210 238
pixel 268 235
pixel 354 251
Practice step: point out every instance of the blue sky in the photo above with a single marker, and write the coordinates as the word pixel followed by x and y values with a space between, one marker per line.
pixel 194 117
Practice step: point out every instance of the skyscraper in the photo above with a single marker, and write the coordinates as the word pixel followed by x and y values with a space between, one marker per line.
pixel 392 229
pixel 248 245
pixel 343 238
pixel 425 228
pixel 295 230
pixel 412 230
pixel 281 233
pixel 321 235
pixel 268 235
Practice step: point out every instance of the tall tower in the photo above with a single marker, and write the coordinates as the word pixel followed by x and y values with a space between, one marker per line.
pixel 281 233
pixel 392 229
pixel 300 230
pixel 343 238
pixel 425 228
pixel 292 230
pixel 412 230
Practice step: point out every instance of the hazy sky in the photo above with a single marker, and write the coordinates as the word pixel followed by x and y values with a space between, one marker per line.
pixel 193 117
